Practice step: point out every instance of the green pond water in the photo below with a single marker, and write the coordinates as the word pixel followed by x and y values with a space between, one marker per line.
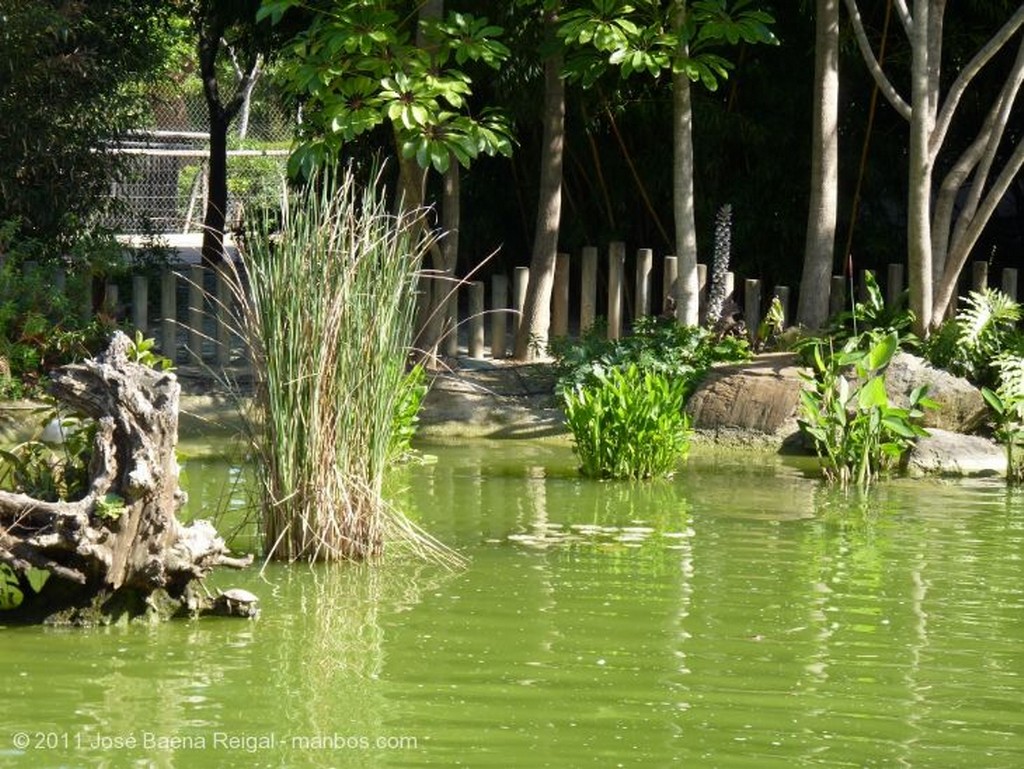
pixel 737 616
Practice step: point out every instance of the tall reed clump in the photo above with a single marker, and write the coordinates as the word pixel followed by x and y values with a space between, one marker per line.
pixel 327 302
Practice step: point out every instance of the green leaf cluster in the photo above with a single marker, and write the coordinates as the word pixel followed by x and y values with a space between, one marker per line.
pixel 660 345
pixel 142 350
pixel 984 329
pixel 40 327
pixel 655 37
pixel 411 392
pixel 359 65
pixel 1007 405
pixel 12 588
pixel 846 412
pixel 871 319
pixel 51 472
pixel 628 423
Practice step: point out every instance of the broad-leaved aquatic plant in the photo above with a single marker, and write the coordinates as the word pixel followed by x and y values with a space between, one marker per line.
pixel 847 414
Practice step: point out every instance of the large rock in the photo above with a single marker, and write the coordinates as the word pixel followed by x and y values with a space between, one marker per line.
pixel 961 407
pixel 756 400
pixel 949 453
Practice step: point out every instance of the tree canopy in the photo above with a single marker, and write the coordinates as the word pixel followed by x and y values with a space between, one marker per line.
pixel 71 81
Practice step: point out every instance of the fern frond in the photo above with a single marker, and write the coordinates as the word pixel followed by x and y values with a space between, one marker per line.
pixel 985 315
pixel 1011 381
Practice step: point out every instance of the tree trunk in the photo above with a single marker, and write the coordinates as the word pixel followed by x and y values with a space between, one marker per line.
pixel 120 550
pixel 687 285
pixel 438 283
pixel 812 311
pixel 211 28
pixel 935 256
pixel 217 189
pixel 919 238
pixel 532 337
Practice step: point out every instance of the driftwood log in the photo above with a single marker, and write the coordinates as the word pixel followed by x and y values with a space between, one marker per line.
pixel 102 567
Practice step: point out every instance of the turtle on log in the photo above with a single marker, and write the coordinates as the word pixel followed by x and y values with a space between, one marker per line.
pixel 236 602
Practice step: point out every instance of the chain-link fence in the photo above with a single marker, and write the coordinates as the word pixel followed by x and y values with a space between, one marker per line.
pixel 164 189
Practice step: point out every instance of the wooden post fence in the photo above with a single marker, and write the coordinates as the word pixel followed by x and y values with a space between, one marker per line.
pixel 499 315
pixel 616 267
pixel 644 266
pixel 588 289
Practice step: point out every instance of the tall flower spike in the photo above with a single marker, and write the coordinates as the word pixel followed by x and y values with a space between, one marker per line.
pixel 720 264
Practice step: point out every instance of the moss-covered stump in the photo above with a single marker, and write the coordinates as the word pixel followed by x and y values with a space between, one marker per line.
pixel 119 552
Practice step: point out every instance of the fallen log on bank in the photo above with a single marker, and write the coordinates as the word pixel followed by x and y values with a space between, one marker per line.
pixel 119 551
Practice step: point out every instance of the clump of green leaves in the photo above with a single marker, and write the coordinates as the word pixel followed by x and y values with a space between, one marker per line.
pixel 846 412
pixel 984 329
pixel 142 350
pixel 111 507
pixel 623 398
pixel 358 65
pixel 628 423
pixel 873 319
pixel 12 586
pixel 658 345
pixel 771 328
pixel 40 328
pixel 51 471
pixel 407 408
pixel 1007 404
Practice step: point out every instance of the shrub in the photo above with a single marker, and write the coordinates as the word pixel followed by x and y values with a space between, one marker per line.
pixel 871 319
pixel 983 329
pixel 628 422
pixel 659 345
pixel 40 328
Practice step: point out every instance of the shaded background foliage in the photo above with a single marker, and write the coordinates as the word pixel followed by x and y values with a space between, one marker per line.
pixel 71 77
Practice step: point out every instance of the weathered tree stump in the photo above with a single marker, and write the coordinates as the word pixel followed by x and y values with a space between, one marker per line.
pixel 140 560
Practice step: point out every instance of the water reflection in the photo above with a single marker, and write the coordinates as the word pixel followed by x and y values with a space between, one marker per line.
pixel 739 615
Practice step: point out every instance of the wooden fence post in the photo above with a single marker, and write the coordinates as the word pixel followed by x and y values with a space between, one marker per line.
pixel 499 315
pixel 1010 282
pixel 893 284
pixel 588 289
pixel 520 282
pixel 668 290
pixel 169 314
pixel 222 316
pixel 140 304
pixel 196 295
pixel 644 265
pixel 560 297
pixel 476 319
pixel 111 298
pixel 450 329
pixel 85 308
pixel 979 276
pixel 752 306
pixel 616 266
pixel 836 295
